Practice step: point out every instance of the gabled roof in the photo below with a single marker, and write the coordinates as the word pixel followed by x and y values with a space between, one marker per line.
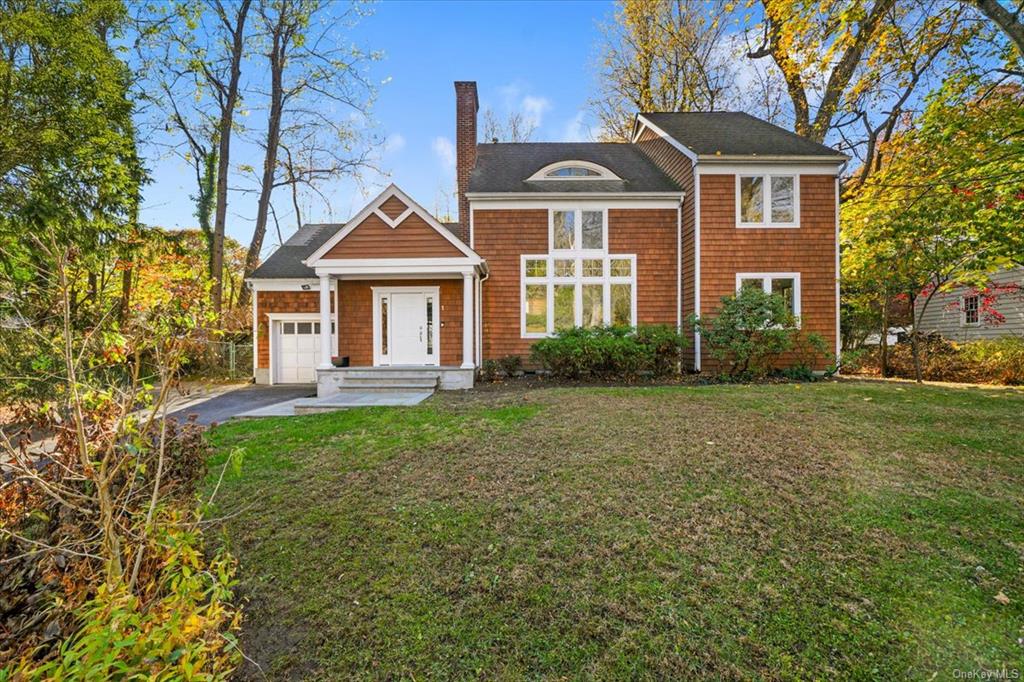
pixel 374 208
pixel 287 262
pixel 734 133
pixel 506 167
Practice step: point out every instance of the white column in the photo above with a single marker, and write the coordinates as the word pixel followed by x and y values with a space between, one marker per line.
pixel 325 321
pixel 467 321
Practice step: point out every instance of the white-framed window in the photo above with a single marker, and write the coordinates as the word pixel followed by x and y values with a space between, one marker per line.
pixel 573 170
pixel 768 200
pixel 578 230
pixel 970 310
pixel 785 284
pixel 577 283
pixel 560 293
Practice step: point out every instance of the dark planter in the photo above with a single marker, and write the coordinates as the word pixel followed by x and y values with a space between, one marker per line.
pixel 340 362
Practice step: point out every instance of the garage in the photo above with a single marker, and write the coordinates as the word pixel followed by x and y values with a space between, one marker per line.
pixel 295 350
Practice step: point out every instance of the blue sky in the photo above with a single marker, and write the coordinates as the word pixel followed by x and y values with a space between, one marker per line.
pixel 536 57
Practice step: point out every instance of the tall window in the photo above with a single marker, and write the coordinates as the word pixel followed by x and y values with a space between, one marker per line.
pixel 767 200
pixel 970 307
pixel 577 283
pixel 785 284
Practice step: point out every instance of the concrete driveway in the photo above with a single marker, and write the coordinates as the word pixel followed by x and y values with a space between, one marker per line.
pixel 228 404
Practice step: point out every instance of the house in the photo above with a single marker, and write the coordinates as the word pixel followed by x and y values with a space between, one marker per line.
pixel 971 314
pixel 555 235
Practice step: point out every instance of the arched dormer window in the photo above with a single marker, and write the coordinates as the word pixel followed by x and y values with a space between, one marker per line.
pixel 573 170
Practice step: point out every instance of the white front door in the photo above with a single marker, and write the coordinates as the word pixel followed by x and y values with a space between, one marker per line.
pixel 406 326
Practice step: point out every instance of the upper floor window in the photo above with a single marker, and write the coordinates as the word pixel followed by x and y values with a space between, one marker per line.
pixel 574 229
pixel 970 309
pixel 573 170
pixel 767 200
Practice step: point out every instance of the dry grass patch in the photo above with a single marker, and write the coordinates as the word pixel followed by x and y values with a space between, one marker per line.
pixel 786 531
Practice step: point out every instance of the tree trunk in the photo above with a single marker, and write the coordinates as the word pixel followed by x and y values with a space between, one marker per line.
pixel 884 341
pixel 277 58
pixel 1009 22
pixel 227 116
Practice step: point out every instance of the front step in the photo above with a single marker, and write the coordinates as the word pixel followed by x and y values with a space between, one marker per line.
pixel 389 373
pixel 389 381
pixel 400 386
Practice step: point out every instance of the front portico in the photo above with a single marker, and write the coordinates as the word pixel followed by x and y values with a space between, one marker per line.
pixel 404 288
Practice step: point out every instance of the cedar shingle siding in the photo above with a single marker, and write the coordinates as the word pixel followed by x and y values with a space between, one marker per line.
pixel 413 238
pixel 280 302
pixel 809 250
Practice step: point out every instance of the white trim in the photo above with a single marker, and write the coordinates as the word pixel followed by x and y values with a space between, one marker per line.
pixel 255 329
pixel 766 202
pixel 577 229
pixel 963 310
pixel 393 222
pixel 274 318
pixel 602 172
pixel 393 271
pixel 679 269
pixel 823 161
pixel 549 281
pixel 384 263
pixel 379 359
pixel 392 190
pixel 325 318
pixel 527 200
pixel 472 234
pixel 467 322
pixel 761 168
pixel 303 284
pixel 766 279
pixel 683 149
pixel 696 265
pixel 839 336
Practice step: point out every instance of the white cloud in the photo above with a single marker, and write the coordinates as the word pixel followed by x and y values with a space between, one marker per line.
pixel 574 129
pixel 395 142
pixel 533 108
pixel 445 152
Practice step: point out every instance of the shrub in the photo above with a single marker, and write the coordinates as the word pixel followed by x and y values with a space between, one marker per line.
pixel 748 332
pixel 610 352
pixel 489 371
pixel 990 361
pixel 179 626
pixel 510 365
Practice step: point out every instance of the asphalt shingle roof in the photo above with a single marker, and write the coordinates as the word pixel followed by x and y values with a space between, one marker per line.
pixel 734 133
pixel 504 167
pixel 286 262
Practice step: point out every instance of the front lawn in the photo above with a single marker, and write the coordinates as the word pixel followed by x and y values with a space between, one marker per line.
pixel 790 531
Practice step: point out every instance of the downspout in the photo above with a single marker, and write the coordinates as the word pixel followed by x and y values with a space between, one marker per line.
pixel 679 266
pixel 480 316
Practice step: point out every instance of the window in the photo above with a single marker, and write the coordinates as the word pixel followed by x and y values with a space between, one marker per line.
pixel 969 306
pixel 785 284
pixel 573 172
pixel 575 230
pixel 577 284
pixel 767 200
pixel 430 325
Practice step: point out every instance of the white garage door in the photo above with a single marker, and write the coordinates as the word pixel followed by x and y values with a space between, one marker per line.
pixel 297 352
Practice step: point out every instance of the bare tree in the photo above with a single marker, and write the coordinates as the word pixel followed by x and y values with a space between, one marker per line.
pixel 662 55
pixel 315 75
pixel 515 128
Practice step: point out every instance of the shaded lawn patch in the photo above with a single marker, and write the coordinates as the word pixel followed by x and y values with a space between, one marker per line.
pixel 785 531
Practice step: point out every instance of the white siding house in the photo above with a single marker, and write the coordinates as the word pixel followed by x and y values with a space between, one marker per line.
pixel 958 314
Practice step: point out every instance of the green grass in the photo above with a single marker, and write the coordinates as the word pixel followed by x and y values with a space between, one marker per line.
pixel 854 530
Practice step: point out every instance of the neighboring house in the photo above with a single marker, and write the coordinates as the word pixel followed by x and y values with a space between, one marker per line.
pixel 555 235
pixel 970 314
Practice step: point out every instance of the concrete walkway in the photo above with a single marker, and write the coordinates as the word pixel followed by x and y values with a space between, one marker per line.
pixel 340 401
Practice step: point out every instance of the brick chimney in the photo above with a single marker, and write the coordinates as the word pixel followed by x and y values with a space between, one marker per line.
pixel 466 107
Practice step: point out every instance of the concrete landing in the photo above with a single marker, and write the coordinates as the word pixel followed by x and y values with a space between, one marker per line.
pixel 339 401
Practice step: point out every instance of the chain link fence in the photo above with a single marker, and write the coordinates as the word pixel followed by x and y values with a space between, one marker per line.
pixel 229 359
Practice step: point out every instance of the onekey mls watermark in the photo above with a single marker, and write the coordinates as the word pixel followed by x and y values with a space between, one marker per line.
pixel 987 674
